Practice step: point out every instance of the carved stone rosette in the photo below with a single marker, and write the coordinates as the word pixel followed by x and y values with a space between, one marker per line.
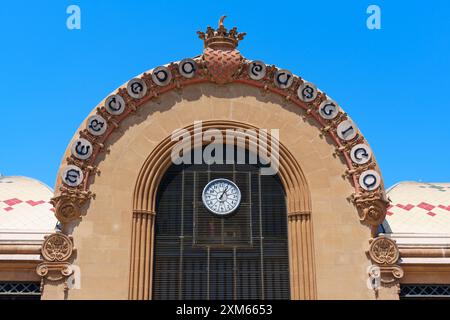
pixel 385 254
pixel 56 251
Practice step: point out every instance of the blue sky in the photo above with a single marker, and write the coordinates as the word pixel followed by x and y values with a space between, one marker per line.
pixel 393 82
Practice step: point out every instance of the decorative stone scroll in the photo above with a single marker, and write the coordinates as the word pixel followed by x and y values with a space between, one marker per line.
pixel 371 208
pixel 56 252
pixel 222 63
pixel 68 204
pixel 385 254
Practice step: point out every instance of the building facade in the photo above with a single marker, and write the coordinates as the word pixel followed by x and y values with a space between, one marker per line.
pixel 303 214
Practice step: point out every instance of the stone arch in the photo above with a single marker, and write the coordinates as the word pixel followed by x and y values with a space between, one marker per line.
pixel 223 66
pixel 157 163
pixel 298 201
pixel 371 202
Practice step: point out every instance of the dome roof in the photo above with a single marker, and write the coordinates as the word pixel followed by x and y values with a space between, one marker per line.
pixel 25 206
pixel 418 208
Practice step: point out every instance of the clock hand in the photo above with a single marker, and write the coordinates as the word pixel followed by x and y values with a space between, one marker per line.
pixel 220 198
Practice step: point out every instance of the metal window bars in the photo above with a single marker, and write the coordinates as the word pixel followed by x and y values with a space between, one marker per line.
pixel 425 291
pixel 20 288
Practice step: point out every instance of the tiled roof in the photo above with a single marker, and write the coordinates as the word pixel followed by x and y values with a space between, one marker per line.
pixel 25 205
pixel 418 207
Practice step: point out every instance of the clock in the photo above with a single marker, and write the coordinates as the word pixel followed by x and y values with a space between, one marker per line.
pixel 221 196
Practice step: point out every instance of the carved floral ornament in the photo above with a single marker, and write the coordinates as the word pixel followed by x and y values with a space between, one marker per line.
pixel 385 254
pixel 56 252
pixel 221 63
pixel 384 251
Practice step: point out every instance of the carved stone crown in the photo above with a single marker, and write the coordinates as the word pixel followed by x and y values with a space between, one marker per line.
pixel 221 38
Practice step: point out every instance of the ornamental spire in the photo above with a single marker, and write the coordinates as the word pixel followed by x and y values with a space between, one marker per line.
pixel 221 38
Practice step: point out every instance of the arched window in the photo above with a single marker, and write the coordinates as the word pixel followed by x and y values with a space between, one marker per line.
pixel 200 255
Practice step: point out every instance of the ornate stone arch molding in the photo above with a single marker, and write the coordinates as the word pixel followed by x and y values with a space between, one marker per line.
pixel 298 200
pixel 223 64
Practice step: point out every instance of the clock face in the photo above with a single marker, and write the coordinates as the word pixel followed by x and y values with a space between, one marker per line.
pixel 221 196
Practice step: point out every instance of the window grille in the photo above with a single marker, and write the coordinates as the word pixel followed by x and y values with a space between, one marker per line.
pixel 198 255
pixel 20 290
pixel 419 291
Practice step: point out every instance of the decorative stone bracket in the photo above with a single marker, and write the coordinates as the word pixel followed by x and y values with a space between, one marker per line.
pixel 56 251
pixel 385 254
pixel 371 207
pixel 68 204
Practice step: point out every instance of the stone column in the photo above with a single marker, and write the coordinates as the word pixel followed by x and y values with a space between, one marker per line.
pixel 301 256
pixel 141 268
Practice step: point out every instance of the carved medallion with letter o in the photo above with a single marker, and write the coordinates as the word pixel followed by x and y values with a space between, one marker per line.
pixel 161 76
